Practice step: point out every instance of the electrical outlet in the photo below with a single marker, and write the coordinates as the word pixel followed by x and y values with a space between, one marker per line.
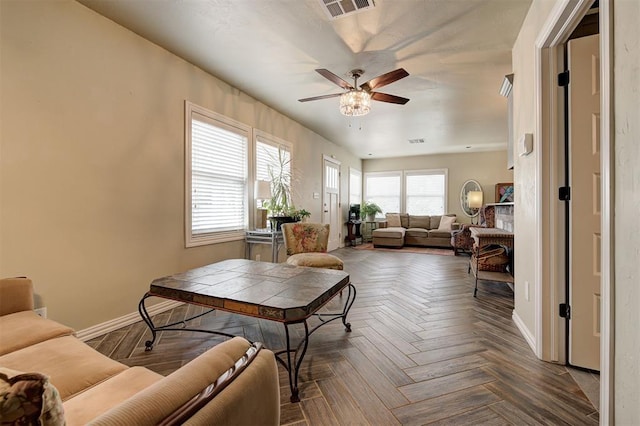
pixel 41 311
pixel 258 257
pixel 526 290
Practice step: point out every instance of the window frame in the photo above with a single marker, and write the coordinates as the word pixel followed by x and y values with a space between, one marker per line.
pixel 191 239
pixel 426 172
pixel 403 185
pixel 355 172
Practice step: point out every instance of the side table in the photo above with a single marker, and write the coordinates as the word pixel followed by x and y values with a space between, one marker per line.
pixel 264 236
pixel 369 227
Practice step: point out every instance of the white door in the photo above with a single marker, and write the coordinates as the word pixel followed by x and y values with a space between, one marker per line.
pixel 584 157
pixel 331 201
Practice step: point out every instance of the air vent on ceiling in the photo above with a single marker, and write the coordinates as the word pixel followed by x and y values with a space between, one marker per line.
pixel 416 140
pixel 340 8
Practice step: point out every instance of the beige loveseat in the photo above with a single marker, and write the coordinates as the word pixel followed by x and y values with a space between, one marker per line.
pixel 97 390
pixel 401 229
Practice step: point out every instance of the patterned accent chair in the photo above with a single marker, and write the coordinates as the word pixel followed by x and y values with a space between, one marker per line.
pixel 306 245
pixel 462 240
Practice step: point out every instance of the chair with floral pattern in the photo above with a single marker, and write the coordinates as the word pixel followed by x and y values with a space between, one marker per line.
pixel 306 245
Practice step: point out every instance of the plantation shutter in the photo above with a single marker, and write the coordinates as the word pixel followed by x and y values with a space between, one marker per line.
pixel 218 177
pixel 384 189
pixel 425 193
pixel 267 156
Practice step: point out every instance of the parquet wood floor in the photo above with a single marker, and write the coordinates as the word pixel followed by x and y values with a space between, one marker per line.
pixel 422 351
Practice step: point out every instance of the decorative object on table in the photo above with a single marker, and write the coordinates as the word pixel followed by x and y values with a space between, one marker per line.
pixel 504 192
pixel 369 211
pixel 262 194
pixel 306 245
pixel 356 101
pixel 471 198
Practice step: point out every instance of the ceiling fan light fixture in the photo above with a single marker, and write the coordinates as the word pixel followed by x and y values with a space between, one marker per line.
pixel 355 103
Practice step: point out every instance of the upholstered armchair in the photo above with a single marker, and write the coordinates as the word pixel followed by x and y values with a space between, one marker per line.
pixel 306 245
pixel 462 240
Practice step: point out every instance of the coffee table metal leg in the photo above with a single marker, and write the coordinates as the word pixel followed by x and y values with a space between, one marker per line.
pixel 148 345
pixel 293 368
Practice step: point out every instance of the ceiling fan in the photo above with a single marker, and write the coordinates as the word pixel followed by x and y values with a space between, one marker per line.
pixel 356 100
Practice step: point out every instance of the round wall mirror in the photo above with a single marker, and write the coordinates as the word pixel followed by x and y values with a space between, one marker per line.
pixel 471 198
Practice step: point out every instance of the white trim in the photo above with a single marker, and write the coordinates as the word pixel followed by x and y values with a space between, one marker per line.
pixel 607 336
pixel 123 321
pixel 561 22
pixel 526 333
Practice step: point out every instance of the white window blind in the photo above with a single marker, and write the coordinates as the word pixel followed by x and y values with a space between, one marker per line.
pixel 217 169
pixel 425 192
pixel 384 190
pixel 355 186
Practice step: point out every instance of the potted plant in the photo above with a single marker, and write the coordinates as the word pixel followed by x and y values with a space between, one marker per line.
pixel 369 211
pixel 280 206
pixel 301 215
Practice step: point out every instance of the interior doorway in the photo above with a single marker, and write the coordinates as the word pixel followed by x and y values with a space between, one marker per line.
pixel 331 210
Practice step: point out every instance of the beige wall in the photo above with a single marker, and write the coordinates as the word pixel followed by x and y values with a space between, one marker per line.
pixel 526 177
pixel 626 53
pixel 488 168
pixel 92 159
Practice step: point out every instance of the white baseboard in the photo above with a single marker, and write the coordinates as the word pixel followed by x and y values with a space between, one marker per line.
pixel 123 321
pixel 526 333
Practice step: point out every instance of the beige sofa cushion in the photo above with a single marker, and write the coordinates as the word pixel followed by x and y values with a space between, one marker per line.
pixel 446 222
pixel 389 233
pixel 26 328
pixel 417 233
pixel 100 398
pixel 71 365
pixel 420 222
pixel 393 220
pixel 435 221
pixel 435 233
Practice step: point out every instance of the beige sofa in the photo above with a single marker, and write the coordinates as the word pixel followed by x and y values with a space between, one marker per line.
pixel 403 229
pixel 97 390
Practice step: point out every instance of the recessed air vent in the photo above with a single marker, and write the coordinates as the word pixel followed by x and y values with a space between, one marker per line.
pixel 416 140
pixel 339 8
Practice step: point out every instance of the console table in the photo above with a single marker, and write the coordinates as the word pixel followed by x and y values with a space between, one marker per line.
pixel 482 238
pixel 264 236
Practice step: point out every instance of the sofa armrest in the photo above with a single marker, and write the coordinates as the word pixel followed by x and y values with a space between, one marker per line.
pixel 16 294
pixel 252 397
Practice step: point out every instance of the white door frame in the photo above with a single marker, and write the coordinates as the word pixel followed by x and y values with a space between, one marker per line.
pixel 549 331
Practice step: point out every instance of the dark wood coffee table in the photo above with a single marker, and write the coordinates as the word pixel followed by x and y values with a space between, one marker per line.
pixel 272 291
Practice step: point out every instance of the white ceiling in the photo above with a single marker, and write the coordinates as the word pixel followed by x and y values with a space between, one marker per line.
pixel 456 52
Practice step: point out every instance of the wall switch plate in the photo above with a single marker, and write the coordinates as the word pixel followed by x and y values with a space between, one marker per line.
pixel 316 195
pixel 41 311
pixel 525 144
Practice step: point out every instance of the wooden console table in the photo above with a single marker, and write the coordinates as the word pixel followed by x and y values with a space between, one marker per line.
pixel 482 238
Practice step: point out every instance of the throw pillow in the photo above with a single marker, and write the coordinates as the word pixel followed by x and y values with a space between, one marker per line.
pixel 393 220
pixel 446 222
pixel 29 398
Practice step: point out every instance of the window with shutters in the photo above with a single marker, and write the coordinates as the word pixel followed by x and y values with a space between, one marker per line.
pixel 216 177
pixel 425 192
pixel 267 152
pixel 355 186
pixel 417 192
pixel 385 190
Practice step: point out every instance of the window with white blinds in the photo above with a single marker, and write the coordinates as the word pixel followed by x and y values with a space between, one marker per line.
pixel 417 192
pixel 355 186
pixel 384 189
pixel 425 192
pixel 216 181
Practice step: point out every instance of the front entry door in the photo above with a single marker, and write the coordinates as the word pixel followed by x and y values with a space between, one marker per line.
pixel 331 201
pixel 584 166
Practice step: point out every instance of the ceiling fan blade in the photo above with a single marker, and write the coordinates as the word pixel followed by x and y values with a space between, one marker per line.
pixel 392 99
pixel 315 98
pixel 334 78
pixel 384 79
